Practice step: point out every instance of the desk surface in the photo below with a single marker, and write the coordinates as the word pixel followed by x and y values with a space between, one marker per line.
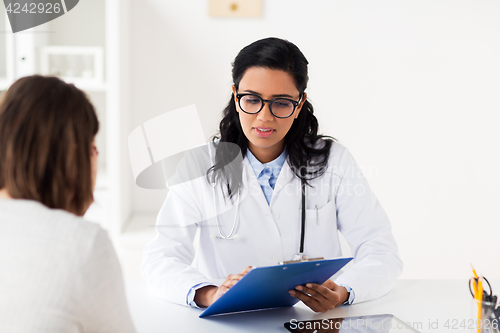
pixel 427 305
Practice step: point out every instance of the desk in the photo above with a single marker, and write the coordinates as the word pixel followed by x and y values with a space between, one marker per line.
pixel 425 304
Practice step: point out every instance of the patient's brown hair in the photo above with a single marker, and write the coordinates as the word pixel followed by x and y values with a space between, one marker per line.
pixel 46 132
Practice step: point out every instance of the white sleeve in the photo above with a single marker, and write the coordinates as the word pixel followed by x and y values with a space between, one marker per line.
pixel 166 264
pixel 103 302
pixel 366 227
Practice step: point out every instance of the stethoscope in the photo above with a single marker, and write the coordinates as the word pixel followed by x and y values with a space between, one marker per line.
pixel 298 257
pixel 221 235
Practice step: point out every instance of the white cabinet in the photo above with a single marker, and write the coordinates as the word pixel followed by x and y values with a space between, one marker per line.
pixel 100 25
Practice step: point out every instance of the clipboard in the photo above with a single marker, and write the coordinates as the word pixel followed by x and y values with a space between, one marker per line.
pixel 267 287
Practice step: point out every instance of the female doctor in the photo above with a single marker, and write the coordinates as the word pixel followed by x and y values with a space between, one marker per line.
pixel 254 217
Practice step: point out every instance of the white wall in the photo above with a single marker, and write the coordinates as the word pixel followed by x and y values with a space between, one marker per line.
pixel 411 87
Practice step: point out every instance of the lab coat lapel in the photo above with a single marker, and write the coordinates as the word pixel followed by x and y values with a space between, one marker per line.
pixel 253 186
pixel 286 175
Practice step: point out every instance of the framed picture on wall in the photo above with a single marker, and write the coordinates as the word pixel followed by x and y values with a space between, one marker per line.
pixel 80 65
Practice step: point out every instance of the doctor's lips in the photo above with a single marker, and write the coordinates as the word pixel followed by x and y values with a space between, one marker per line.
pixel 264 132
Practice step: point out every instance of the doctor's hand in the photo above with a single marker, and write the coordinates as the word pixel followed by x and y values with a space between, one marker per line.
pixel 321 298
pixel 207 295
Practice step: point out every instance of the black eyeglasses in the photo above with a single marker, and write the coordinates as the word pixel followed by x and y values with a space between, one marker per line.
pixel 280 107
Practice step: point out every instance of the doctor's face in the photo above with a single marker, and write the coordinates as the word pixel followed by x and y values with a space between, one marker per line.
pixel 264 131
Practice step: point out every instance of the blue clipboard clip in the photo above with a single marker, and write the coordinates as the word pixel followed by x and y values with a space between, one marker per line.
pixel 298 259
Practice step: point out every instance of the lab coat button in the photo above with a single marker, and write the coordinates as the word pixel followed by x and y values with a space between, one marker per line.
pixel 276 216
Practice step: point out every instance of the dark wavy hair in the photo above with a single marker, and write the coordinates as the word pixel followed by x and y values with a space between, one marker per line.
pixel 307 151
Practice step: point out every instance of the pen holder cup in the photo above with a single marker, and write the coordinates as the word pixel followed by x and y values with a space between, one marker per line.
pixel 484 318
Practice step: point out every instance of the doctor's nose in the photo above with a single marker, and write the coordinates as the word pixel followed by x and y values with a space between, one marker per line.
pixel 265 114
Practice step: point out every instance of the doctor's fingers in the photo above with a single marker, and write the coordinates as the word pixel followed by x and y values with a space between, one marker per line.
pixel 331 285
pixel 329 298
pixel 226 286
pixel 311 302
pixel 237 277
pixel 246 270
pixel 232 279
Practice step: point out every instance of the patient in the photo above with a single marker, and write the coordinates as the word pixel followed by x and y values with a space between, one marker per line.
pixel 58 273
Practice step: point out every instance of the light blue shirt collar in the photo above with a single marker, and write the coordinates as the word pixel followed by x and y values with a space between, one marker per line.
pixel 275 164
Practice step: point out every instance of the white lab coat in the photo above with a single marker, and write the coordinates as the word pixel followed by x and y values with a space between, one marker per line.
pixel 340 200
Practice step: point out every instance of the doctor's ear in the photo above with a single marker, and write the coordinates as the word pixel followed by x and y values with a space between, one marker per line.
pixel 235 98
pixel 301 104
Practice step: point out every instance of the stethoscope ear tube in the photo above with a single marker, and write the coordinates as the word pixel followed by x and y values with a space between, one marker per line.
pixel 303 219
pixel 235 236
pixel 231 234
